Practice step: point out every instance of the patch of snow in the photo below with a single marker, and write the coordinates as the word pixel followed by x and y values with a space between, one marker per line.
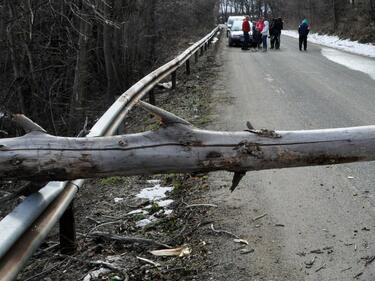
pixel 118 199
pixel 95 274
pixel 335 42
pixel 144 222
pixel 354 62
pixel 215 40
pixel 138 211
pixel 167 212
pixel 154 193
pixel 153 181
pixel 165 203
pixel 167 85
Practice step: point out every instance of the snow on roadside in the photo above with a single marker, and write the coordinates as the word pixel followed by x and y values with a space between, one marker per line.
pixel 335 42
pixel 157 195
pixel 156 192
pixel 354 62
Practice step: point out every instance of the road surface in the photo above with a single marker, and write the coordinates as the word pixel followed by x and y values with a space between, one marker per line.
pixel 320 221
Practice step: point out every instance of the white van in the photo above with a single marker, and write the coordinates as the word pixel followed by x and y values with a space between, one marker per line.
pixel 231 19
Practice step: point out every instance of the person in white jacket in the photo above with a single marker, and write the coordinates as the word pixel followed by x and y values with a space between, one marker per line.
pixel 265 34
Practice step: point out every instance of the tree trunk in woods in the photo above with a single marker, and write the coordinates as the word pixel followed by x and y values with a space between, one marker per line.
pixel 265 7
pixel 334 14
pixel 108 55
pixel 151 34
pixel 259 8
pixel 80 76
pixel 372 9
pixel 178 147
pixel 14 60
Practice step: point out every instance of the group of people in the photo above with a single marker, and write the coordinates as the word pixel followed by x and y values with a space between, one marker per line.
pixel 256 34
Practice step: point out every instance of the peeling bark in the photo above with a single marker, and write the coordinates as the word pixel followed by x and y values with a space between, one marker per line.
pixel 179 147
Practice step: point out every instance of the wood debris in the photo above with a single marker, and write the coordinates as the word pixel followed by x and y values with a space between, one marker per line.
pixel 309 264
pixel 241 241
pixel 260 217
pixel 220 231
pixel 178 252
pixel 149 261
pixel 246 251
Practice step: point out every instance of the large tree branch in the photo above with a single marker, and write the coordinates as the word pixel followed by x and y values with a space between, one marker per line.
pixel 179 147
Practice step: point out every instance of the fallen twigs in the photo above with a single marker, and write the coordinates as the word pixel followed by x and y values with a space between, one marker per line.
pixel 220 231
pixel 201 205
pixel 127 239
pixel 149 262
pixel 260 217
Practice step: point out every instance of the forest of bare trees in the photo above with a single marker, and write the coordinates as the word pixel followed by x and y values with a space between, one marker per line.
pixel 64 60
pixel 351 18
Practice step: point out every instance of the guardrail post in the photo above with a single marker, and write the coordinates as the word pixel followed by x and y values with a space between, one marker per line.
pixel 205 46
pixel 202 50
pixel 188 67
pixel 68 232
pixel 151 97
pixel 196 56
pixel 174 79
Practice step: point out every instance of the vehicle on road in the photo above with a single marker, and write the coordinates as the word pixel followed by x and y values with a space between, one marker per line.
pixel 231 20
pixel 235 34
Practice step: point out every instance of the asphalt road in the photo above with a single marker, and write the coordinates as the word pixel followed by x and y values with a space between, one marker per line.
pixel 327 210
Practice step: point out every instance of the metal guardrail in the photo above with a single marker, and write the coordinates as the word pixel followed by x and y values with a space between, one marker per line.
pixel 24 229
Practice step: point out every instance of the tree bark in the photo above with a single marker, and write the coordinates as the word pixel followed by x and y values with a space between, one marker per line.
pixel 108 56
pixel 179 147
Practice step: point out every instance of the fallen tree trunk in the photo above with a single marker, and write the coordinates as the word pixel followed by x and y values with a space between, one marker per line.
pixel 179 147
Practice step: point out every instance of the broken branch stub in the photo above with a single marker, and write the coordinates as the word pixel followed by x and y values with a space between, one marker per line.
pixel 181 148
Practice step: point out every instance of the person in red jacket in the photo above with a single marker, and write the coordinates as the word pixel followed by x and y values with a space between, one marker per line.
pixel 246 28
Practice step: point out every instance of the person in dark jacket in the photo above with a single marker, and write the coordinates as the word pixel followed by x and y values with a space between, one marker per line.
pixel 275 32
pixel 257 38
pixel 303 31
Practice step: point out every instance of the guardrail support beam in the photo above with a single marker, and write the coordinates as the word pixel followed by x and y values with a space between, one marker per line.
pixel 196 57
pixel 202 50
pixel 174 79
pixel 188 71
pixel 151 97
pixel 68 232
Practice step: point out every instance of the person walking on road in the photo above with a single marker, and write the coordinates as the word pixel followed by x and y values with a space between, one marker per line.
pixel 265 34
pixel 303 31
pixel 247 30
pixel 275 32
